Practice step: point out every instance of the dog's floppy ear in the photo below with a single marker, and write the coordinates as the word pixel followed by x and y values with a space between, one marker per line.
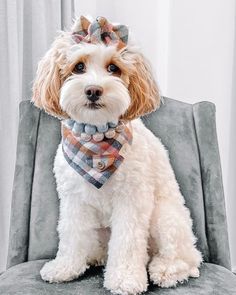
pixel 143 89
pixel 48 81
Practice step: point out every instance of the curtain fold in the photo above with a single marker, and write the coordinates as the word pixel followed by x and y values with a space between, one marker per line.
pixel 27 28
pixel 10 89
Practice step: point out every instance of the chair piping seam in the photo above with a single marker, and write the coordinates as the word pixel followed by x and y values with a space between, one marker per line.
pixel 32 180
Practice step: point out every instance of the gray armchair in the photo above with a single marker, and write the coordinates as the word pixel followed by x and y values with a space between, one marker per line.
pixel 188 132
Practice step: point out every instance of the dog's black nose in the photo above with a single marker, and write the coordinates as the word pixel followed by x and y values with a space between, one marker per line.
pixel 93 92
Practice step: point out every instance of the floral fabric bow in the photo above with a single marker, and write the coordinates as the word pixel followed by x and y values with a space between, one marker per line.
pixel 100 31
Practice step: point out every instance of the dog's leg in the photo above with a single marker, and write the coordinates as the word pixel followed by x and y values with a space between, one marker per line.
pixel 176 258
pixel 127 250
pixel 78 241
pixel 171 229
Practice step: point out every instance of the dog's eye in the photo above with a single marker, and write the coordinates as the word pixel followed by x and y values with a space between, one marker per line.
pixel 112 68
pixel 79 68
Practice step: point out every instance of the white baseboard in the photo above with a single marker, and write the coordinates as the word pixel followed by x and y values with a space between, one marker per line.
pixel 234 269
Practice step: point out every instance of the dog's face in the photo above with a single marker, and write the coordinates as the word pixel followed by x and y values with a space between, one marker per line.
pixel 94 83
pixel 96 92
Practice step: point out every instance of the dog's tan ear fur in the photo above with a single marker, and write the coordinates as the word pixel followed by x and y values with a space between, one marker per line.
pixel 48 81
pixel 143 89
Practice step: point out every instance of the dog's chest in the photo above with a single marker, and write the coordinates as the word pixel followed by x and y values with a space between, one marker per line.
pixel 69 182
pixel 123 182
pixel 101 202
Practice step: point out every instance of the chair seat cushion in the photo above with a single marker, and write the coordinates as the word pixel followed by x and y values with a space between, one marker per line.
pixel 25 279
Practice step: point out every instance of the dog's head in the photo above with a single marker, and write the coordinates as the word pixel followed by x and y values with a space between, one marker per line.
pixel 94 81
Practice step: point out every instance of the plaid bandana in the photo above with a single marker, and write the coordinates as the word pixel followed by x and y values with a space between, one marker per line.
pixel 94 161
pixel 101 31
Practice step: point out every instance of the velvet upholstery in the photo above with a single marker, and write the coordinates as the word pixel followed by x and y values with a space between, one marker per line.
pixel 24 279
pixel 189 134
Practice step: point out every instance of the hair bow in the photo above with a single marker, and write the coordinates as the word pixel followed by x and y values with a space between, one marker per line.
pixel 100 31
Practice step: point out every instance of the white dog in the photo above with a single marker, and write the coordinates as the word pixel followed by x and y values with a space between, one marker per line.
pixel 125 212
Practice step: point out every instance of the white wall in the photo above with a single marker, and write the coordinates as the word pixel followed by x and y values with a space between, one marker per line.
pixel 200 67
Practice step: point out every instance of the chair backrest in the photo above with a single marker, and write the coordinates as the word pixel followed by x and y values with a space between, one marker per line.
pixel 187 131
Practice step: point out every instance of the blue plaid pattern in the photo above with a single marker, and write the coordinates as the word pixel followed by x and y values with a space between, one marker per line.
pixel 94 161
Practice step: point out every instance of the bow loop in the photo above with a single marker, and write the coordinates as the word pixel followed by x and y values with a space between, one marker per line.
pixel 100 31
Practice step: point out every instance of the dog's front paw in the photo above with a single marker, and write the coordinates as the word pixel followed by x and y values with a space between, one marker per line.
pixel 167 273
pixel 126 281
pixel 62 270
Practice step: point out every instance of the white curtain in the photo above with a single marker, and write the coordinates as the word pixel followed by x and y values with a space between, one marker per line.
pixel 26 30
pixel 189 43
